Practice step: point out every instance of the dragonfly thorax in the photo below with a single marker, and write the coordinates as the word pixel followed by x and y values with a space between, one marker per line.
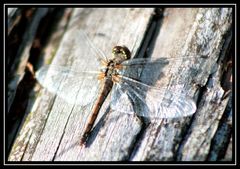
pixel 119 54
pixel 111 69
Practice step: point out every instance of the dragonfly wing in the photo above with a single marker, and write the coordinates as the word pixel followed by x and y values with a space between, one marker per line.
pixel 121 100
pixel 131 96
pixel 84 54
pixel 86 42
pixel 70 85
pixel 76 82
pixel 160 71
pixel 162 60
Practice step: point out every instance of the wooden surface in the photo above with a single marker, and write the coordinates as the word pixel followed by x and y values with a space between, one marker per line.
pixel 52 128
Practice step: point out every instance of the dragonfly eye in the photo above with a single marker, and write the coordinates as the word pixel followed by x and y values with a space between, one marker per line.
pixel 126 52
pixel 116 49
pixel 121 50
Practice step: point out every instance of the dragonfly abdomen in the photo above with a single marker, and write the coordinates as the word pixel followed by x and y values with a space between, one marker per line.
pixel 103 94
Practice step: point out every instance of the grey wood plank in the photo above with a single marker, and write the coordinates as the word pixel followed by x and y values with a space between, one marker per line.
pixel 64 122
pixel 186 35
pixel 35 118
pixel 17 68
pixel 182 34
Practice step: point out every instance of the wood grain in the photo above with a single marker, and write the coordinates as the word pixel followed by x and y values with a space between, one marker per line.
pixel 195 36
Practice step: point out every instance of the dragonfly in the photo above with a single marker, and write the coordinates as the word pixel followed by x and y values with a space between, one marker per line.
pixel 118 75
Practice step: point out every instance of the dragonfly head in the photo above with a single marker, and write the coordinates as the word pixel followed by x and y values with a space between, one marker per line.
pixel 121 53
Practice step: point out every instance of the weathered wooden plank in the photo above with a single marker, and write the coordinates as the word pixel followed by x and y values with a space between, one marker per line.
pixel 13 18
pixel 213 103
pixel 186 29
pixel 229 152
pixel 186 33
pixel 21 35
pixel 21 150
pixel 112 141
pixel 66 121
pixel 17 68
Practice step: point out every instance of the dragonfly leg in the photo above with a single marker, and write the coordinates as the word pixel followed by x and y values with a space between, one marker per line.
pixel 104 63
pixel 119 66
pixel 101 76
pixel 116 79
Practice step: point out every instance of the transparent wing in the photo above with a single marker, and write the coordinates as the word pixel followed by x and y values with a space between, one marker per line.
pixel 135 92
pixel 82 54
pixel 160 70
pixel 73 86
pixel 162 60
pixel 75 68
pixel 84 38
pixel 130 96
